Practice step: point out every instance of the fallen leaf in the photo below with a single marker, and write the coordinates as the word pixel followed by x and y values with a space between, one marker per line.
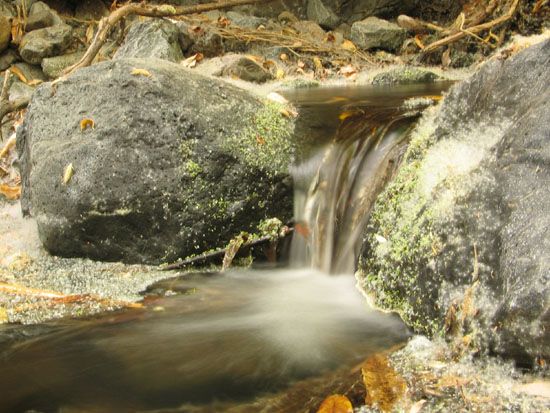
pixel 86 123
pixel 418 42
pixel 223 21
pixel 260 140
pixel 348 71
pixel 279 74
pixel 11 192
pixel 283 57
pixel 301 64
pixel 317 63
pixel 288 112
pixel 17 72
pixel 349 46
pixel 3 315
pixel 347 114
pixel 337 403
pixel 384 386
pixel 68 173
pixel 330 37
pixel 141 72
pixel 10 144
pixel 191 61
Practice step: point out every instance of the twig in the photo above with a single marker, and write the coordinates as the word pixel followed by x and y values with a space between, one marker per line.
pixel 107 23
pixel 5 105
pixel 473 30
pixel 219 254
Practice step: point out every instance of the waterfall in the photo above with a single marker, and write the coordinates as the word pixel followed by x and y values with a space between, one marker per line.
pixel 336 184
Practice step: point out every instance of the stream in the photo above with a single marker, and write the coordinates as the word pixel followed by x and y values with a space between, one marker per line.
pixel 203 338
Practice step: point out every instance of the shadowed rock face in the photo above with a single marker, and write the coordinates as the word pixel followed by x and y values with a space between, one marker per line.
pixel 171 167
pixel 458 242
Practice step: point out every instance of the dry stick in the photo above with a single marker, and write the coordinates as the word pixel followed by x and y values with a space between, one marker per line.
pixel 217 255
pixel 107 23
pixel 473 30
pixel 5 105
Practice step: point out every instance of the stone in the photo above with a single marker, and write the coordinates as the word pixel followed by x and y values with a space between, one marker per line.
pixel 41 16
pixel 405 75
pixel 309 30
pixel 47 42
pixel 22 4
pixel 5 33
pixel 322 14
pixel 247 69
pixel 273 9
pixel 152 38
pixel 7 58
pixel 91 10
pixel 172 167
pixel 246 22
pixel 7 9
pixel 458 243
pixel 375 33
pixel 53 67
pixel 208 43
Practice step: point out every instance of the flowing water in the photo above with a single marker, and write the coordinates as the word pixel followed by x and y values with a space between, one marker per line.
pixel 206 338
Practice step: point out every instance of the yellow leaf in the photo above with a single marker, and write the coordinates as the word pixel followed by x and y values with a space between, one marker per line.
pixel 260 140
pixel 349 46
pixel 68 173
pixel 3 315
pixel 87 123
pixel 10 192
pixel 336 403
pixel 279 74
pixel 347 114
pixel 317 63
pixel 141 72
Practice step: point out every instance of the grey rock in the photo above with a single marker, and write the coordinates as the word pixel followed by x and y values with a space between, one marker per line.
pixel 247 69
pixel 41 16
pixel 208 43
pixel 20 90
pixel 5 33
pixel 91 10
pixel 375 33
pixel 53 66
pixel 322 14
pixel 309 30
pixel 246 22
pixel 152 38
pixel 458 243
pixel 7 58
pixel 173 166
pixel 46 42
pixel 7 9
pixel 275 8
pixel 404 75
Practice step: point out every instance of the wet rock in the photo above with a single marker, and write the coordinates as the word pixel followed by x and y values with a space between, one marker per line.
pixel 53 67
pixel 19 90
pixel 46 42
pixel 404 75
pixel 152 38
pixel 375 33
pixel 309 30
pixel 322 14
pixel 41 16
pixel 247 69
pixel 208 43
pixel 458 243
pixel 91 10
pixel 176 163
pixel 287 17
pixel 246 22
pixel 5 33
pixel 7 58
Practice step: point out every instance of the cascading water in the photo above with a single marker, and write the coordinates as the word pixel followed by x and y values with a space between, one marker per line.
pixel 337 183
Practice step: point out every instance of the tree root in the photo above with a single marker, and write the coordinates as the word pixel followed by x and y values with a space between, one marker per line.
pixel 473 30
pixel 107 23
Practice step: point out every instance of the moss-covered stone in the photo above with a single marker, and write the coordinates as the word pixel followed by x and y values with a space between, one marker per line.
pixel 405 75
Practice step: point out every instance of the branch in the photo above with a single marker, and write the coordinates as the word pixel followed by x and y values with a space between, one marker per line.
pixel 5 105
pixel 474 29
pixel 107 23
pixel 218 255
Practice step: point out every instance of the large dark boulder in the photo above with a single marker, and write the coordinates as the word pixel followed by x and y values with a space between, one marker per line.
pixel 458 244
pixel 175 163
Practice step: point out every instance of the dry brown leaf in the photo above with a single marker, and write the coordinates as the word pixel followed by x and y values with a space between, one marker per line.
pixel 10 144
pixel 86 123
pixel 17 72
pixel 317 63
pixel 349 46
pixel 330 37
pixel 347 71
pixel 11 192
pixel 384 386
pixel 141 72
pixel 283 57
pixel 223 21
pixel 260 140
pixel 337 403
pixel 418 42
